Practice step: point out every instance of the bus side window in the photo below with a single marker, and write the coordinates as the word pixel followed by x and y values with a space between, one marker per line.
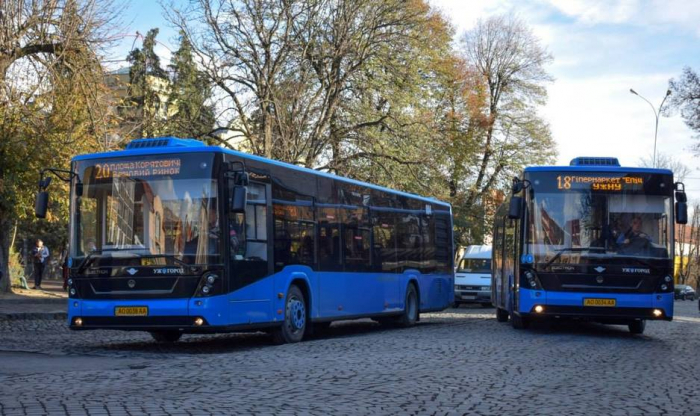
pixel 256 223
pixel 328 239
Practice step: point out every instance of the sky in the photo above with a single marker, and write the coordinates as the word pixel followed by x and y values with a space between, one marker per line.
pixel 601 49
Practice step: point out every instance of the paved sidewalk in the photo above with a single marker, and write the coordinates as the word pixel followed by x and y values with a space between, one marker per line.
pixel 48 303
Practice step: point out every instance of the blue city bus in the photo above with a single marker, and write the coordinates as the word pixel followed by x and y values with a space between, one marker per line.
pixel 172 236
pixel 591 241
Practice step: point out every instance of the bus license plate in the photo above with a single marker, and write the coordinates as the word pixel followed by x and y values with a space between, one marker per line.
pixel 599 302
pixel 131 311
pixel 469 297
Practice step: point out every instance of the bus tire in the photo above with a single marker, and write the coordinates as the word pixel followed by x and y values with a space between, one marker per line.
pixel 409 317
pixel 519 322
pixel 295 318
pixel 501 315
pixel 638 326
pixel 166 336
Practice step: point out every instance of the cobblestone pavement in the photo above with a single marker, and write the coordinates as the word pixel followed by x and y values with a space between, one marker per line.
pixel 457 362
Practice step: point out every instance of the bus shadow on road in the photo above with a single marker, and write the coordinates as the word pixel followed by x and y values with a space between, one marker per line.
pixel 244 341
pixel 586 328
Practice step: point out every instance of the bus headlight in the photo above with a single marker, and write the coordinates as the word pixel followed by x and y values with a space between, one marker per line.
pixel 209 285
pixel 666 284
pixel 531 280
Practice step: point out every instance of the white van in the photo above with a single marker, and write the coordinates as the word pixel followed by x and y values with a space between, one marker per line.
pixel 473 276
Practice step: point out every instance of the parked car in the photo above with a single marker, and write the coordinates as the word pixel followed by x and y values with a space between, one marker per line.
pixel 473 276
pixel 684 292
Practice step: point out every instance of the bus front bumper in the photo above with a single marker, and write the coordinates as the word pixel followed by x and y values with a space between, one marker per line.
pixel 651 306
pixel 190 315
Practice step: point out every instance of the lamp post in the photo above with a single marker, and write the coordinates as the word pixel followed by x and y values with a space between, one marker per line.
pixel 656 115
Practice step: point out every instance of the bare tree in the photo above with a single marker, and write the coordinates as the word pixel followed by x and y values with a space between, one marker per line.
pixel 244 47
pixel 290 69
pixel 511 61
pixel 503 51
pixel 686 99
pixel 666 161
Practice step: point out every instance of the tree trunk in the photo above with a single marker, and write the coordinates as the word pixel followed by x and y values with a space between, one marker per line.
pixel 267 129
pixel 5 234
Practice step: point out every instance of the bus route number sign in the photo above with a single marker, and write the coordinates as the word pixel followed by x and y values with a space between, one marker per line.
pixel 598 183
pixel 140 168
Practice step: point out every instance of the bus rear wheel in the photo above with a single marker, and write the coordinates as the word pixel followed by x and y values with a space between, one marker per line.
pixel 519 322
pixel 295 318
pixel 166 336
pixel 409 317
pixel 637 327
pixel 501 315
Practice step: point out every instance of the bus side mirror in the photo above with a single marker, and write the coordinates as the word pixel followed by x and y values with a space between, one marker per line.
pixel 41 204
pixel 681 212
pixel 239 199
pixel 515 207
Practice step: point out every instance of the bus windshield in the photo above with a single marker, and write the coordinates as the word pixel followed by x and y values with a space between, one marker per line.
pixel 575 225
pixel 594 217
pixel 156 208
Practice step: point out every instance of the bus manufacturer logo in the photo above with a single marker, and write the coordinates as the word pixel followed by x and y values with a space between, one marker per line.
pixel 599 269
pixel 131 283
pixel 171 270
pixel 635 270
pixel 599 279
pixel 132 271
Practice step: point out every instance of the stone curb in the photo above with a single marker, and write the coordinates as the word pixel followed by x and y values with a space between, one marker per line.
pixel 33 316
pixel 37 301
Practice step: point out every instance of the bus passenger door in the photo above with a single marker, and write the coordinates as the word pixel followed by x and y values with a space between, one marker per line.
pixel 250 298
pixel 498 270
pixel 509 264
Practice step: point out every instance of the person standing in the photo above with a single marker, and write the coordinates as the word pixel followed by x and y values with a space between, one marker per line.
pixel 40 254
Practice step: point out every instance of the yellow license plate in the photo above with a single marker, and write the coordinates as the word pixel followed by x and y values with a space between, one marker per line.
pixel 131 311
pixel 599 302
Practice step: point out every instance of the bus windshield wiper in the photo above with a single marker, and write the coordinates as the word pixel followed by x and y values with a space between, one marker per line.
pixel 574 249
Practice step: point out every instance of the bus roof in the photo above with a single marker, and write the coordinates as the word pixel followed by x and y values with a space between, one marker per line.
pixel 171 145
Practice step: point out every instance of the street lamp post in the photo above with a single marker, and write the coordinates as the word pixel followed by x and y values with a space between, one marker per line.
pixel 656 115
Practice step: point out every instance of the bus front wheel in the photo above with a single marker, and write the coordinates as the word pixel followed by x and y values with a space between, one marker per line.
pixel 519 322
pixel 637 327
pixel 166 336
pixel 501 315
pixel 295 318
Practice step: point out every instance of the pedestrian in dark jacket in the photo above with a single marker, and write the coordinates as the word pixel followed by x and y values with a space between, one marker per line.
pixel 40 255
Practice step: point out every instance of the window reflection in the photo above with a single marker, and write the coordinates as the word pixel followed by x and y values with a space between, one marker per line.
pixel 609 225
pixel 163 216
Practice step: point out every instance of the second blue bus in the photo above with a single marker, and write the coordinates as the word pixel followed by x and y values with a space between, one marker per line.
pixel 592 240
